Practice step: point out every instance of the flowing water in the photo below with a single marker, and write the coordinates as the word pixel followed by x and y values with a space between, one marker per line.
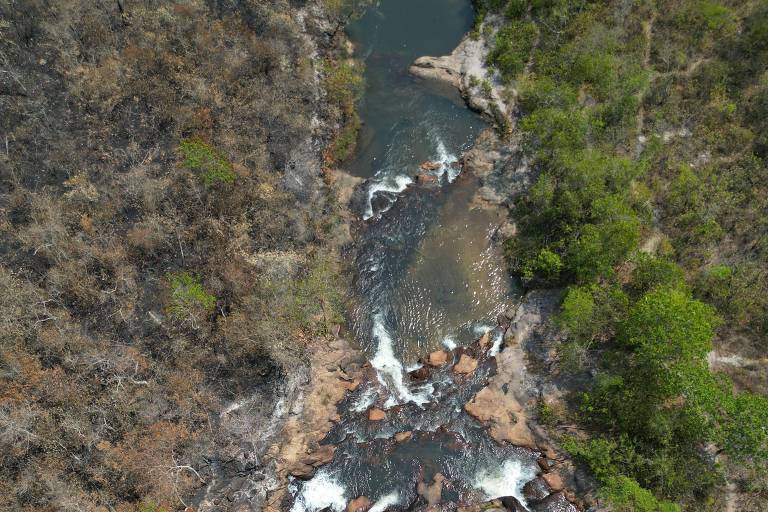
pixel 429 276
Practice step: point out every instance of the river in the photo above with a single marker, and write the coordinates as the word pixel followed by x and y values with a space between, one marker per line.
pixel 428 276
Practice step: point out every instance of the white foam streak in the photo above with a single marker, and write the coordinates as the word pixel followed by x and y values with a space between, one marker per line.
pixel 365 400
pixel 449 343
pixel 392 184
pixel 496 346
pixel 507 479
pixel 445 159
pixel 390 369
pixel 384 502
pixel 322 492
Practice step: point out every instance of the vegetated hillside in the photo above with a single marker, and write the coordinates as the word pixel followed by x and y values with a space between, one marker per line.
pixel 645 122
pixel 164 236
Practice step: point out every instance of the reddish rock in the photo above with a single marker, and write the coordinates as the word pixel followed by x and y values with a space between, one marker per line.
pixel 485 340
pixel 432 493
pixel 543 463
pixel 430 166
pixel 437 358
pixel 554 480
pixel 426 179
pixel 402 437
pixel 465 365
pixel 422 373
pixel 375 414
pixel 361 504
pixel 536 490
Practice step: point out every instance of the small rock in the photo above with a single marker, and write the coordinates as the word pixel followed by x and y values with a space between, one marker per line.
pixel 361 504
pixel 402 437
pixel 536 490
pixel 465 365
pixel 437 358
pixel 503 321
pixel 422 373
pixel 554 480
pixel 430 166
pixel 512 504
pixel 455 165
pixel 375 414
pixel 485 340
pixel 426 179
pixel 543 463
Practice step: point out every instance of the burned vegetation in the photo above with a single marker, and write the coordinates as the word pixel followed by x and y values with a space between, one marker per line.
pixel 165 239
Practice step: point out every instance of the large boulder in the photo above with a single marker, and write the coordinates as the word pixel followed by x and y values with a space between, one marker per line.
pixel 536 490
pixel 512 504
pixel 555 503
pixel 426 179
pixel 554 480
pixel 505 416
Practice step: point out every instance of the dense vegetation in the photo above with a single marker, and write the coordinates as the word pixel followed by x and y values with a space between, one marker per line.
pixel 165 239
pixel 645 123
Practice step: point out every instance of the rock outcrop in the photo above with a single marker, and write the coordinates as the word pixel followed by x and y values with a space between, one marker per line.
pixel 297 450
pixel 464 69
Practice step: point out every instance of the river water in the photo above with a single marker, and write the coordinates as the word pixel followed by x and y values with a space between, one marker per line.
pixel 428 276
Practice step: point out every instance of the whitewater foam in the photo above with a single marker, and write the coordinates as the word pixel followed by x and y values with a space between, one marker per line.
pixel 365 400
pixel 392 184
pixel 390 370
pixel 320 493
pixel 384 502
pixel 496 346
pixel 506 479
pixel 449 343
pixel 445 159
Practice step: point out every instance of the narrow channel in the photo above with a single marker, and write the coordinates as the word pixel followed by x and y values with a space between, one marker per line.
pixel 429 276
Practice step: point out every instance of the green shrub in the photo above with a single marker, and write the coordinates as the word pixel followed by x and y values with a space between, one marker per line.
pixel 512 48
pixel 201 158
pixel 747 430
pixel 714 285
pixel 626 495
pixel 344 143
pixel 149 506
pixel 188 297
pixel 599 247
pixel 344 83
pixel 652 272
pixel 667 325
